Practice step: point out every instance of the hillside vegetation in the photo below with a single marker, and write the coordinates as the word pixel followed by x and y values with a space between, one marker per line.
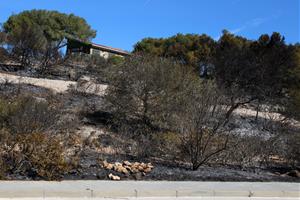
pixel 181 108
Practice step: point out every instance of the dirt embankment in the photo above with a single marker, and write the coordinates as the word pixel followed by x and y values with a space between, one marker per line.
pixel 243 118
pixel 58 86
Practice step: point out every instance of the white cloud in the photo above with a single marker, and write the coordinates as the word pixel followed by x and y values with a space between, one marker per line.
pixel 256 22
pixel 250 24
pixel 237 30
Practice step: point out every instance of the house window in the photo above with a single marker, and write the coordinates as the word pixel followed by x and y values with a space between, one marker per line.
pixel 96 52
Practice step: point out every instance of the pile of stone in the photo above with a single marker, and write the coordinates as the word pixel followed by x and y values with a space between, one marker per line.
pixel 292 173
pixel 114 177
pixel 127 168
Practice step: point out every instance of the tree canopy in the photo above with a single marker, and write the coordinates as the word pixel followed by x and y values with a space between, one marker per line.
pixel 260 69
pixel 191 49
pixel 38 35
pixel 54 26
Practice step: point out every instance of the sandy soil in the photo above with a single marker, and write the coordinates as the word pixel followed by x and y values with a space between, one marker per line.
pixel 55 85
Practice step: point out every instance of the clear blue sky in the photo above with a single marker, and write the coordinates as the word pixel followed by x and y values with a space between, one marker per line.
pixel 121 23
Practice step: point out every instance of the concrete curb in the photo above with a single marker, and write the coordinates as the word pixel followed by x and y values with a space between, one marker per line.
pixel 110 189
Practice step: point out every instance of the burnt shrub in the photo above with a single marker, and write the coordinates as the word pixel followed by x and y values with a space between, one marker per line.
pixel 168 145
pixel 28 146
pixel 25 114
pixel 2 168
pixel 35 155
pixel 262 151
pixel 150 95
pixel 292 153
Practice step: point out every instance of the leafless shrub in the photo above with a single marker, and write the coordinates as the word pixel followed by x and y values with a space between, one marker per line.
pixel 201 124
pixel 293 150
pixel 247 151
pixel 3 168
pixel 276 145
pixel 167 145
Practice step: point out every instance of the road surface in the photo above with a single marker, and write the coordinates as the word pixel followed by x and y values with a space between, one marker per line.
pixel 143 189
pixel 163 198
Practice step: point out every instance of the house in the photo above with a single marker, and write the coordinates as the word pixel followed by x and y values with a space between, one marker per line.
pixel 77 46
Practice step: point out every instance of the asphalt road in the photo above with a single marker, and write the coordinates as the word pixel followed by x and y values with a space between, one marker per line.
pixel 142 189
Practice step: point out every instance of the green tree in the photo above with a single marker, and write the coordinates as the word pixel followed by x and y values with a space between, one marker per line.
pixel 2 36
pixel 38 35
pixel 230 60
pixel 253 70
pixel 293 108
pixel 3 52
pixel 191 49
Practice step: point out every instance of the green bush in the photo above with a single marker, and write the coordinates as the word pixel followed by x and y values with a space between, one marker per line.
pixel 115 60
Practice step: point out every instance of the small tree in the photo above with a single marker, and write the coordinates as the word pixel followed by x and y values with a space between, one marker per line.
pixel 293 103
pixel 253 70
pixel 146 89
pixel 3 52
pixel 143 93
pixel 150 95
pixel 36 37
pixel 192 49
pixel 201 123
pixel 26 43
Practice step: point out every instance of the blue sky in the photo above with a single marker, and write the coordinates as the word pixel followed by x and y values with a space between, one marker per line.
pixel 121 23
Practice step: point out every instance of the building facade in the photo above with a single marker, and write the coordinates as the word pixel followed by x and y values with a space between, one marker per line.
pixel 76 46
